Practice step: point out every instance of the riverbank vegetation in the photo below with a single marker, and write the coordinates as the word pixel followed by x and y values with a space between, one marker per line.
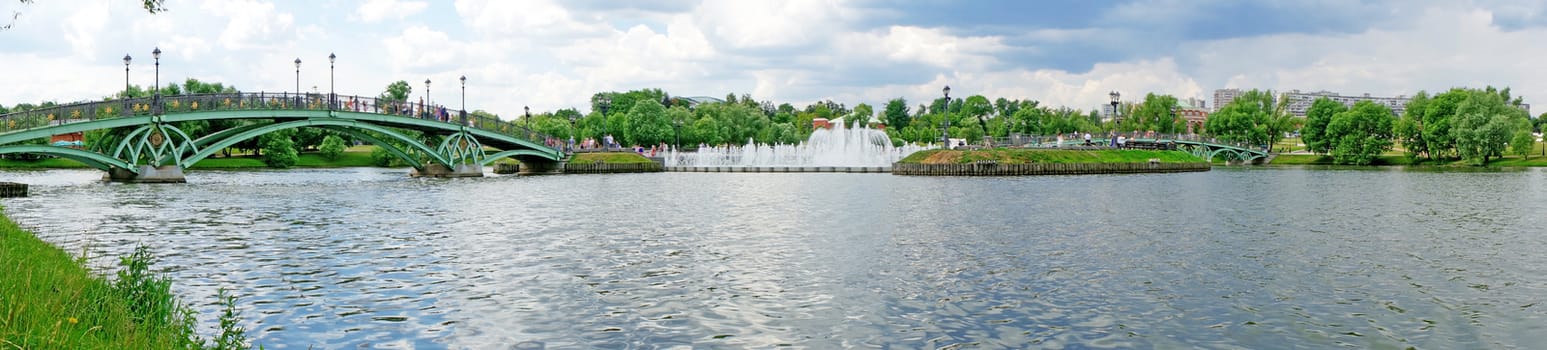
pixel 1050 156
pixel 609 158
pixel 1474 125
pixel 49 300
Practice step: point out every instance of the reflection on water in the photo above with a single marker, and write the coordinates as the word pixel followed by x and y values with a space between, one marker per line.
pixel 1252 258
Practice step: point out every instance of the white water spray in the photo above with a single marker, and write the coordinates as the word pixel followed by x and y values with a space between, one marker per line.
pixel 836 146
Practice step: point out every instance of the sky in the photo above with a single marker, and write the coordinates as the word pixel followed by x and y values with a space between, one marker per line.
pixel 556 54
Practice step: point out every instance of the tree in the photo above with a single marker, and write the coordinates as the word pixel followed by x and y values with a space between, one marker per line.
pixel 278 150
pixel 1485 124
pixel 1360 134
pixel 862 114
pixel 1438 115
pixel 896 114
pixel 332 147
pixel 397 91
pixel 978 107
pixel 1409 129
pixel 1316 120
pixel 647 123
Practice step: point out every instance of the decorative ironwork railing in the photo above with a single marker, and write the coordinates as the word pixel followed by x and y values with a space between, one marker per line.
pixel 158 105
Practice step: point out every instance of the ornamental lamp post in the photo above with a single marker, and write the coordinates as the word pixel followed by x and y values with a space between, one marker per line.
pixel 297 82
pixel 126 76
pixel 945 120
pixel 156 54
pixel 427 93
pixel 332 92
pixel 572 130
pixel 528 110
pixel 677 135
pixel 1115 117
pixel 604 104
pixel 464 94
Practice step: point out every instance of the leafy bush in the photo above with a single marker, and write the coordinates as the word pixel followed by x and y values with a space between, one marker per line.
pixel 332 147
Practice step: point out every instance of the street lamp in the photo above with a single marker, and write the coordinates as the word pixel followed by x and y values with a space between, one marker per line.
pixel 426 94
pixel 332 93
pixel 604 104
pixel 156 54
pixel 528 110
pixel 677 125
pixel 1115 117
pixel 945 121
pixel 573 130
pixel 464 95
pixel 297 82
pixel 126 76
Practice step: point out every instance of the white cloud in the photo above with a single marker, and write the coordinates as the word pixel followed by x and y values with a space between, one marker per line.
pixel 250 24
pixel 377 10
pixel 770 24
pixel 903 44
pixel 532 19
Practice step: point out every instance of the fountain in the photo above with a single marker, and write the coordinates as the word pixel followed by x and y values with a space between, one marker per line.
pixel 835 149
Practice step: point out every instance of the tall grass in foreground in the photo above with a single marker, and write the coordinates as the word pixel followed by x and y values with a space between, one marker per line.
pixel 51 301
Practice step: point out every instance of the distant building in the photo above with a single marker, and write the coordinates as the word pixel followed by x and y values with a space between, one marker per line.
pixel 1194 111
pixel 1297 102
pixel 1223 97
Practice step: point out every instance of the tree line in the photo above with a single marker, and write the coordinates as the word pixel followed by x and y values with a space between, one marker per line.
pixel 1474 125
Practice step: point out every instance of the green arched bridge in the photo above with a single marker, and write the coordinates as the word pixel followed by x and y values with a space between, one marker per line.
pixel 1209 150
pixel 155 150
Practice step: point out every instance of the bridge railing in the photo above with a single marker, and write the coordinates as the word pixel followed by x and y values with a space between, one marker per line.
pixel 1021 140
pixel 157 105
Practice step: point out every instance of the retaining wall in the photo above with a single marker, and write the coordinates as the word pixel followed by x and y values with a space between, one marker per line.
pixel 995 169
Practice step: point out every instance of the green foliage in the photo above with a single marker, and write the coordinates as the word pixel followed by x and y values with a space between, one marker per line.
pixel 1360 134
pixel 278 149
pixel 1254 118
pixel 1438 115
pixel 1409 128
pixel 1156 113
pixel 610 158
pixel 896 114
pixel 1484 125
pixel 1316 120
pixel 397 91
pixel 332 147
pixel 1029 156
pixel 863 113
pixel 648 124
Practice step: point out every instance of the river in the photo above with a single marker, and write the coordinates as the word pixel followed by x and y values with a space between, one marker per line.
pixel 1230 258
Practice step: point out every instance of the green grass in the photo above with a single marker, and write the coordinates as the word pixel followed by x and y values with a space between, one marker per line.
pixel 51 301
pixel 609 158
pixel 50 163
pixel 1311 159
pixel 1025 156
pixel 307 160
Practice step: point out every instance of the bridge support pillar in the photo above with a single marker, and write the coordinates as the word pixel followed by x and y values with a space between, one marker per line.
pixel 148 174
pixel 538 167
pixel 459 170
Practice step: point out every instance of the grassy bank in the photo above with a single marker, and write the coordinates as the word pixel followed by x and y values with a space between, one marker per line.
pixel 50 301
pixel 1388 160
pixel 1049 156
pixel 353 158
pixel 609 158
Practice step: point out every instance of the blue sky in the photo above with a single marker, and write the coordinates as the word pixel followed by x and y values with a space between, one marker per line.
pixel 555 54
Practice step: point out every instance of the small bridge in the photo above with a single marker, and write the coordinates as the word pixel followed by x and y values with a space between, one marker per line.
pixel 1208 150
pixel 1239 153
pixel 456 144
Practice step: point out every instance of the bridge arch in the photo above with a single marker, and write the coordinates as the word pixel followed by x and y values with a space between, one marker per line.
pixel 250 133
pixel 92 159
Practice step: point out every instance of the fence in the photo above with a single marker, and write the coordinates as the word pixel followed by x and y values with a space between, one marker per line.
pixel 996 169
